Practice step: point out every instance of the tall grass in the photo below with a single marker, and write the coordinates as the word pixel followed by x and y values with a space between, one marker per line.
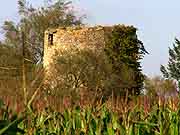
pixel 138 116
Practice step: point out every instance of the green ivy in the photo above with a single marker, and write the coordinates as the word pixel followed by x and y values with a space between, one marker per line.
pixel 124 49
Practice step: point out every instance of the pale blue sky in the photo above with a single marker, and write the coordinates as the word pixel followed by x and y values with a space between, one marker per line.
pixel 158 22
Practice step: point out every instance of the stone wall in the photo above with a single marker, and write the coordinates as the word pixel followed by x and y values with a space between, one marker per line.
pixel 58 40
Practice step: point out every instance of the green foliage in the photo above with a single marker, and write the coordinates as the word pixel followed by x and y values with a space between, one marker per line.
pixel 173 68
pixel 80 71
pixel 86 72
pixel 125 50
pixel 97 120
pixel 9 124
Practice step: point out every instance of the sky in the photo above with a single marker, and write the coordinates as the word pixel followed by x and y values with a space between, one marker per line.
pixel 157 21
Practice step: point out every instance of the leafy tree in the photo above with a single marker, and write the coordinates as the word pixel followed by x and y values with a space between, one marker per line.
pixel 85 72
pixel 78 71
pixel 172 71
pixel 125 50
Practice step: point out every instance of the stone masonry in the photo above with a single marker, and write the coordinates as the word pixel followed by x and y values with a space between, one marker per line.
pixel 57 40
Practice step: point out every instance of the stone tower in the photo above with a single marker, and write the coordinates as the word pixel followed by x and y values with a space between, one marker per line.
pixel 61 41
pixel 57 40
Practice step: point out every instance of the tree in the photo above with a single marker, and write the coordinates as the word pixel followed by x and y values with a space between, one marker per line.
pixel 158 86
pixel 124 52
pixel 172 71
pixel 79 71
pixel 84 71
pixel 34 21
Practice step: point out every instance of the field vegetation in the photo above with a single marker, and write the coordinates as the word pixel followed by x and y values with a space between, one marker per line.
pixel 98 93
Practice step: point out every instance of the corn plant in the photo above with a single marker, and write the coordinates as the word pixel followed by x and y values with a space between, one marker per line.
pixel 101 119
pixel 9 123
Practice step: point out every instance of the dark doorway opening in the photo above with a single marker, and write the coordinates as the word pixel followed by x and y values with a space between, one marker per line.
pixel 50 39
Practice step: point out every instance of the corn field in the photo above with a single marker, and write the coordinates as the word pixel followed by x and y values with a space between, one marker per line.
pixel 137 117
